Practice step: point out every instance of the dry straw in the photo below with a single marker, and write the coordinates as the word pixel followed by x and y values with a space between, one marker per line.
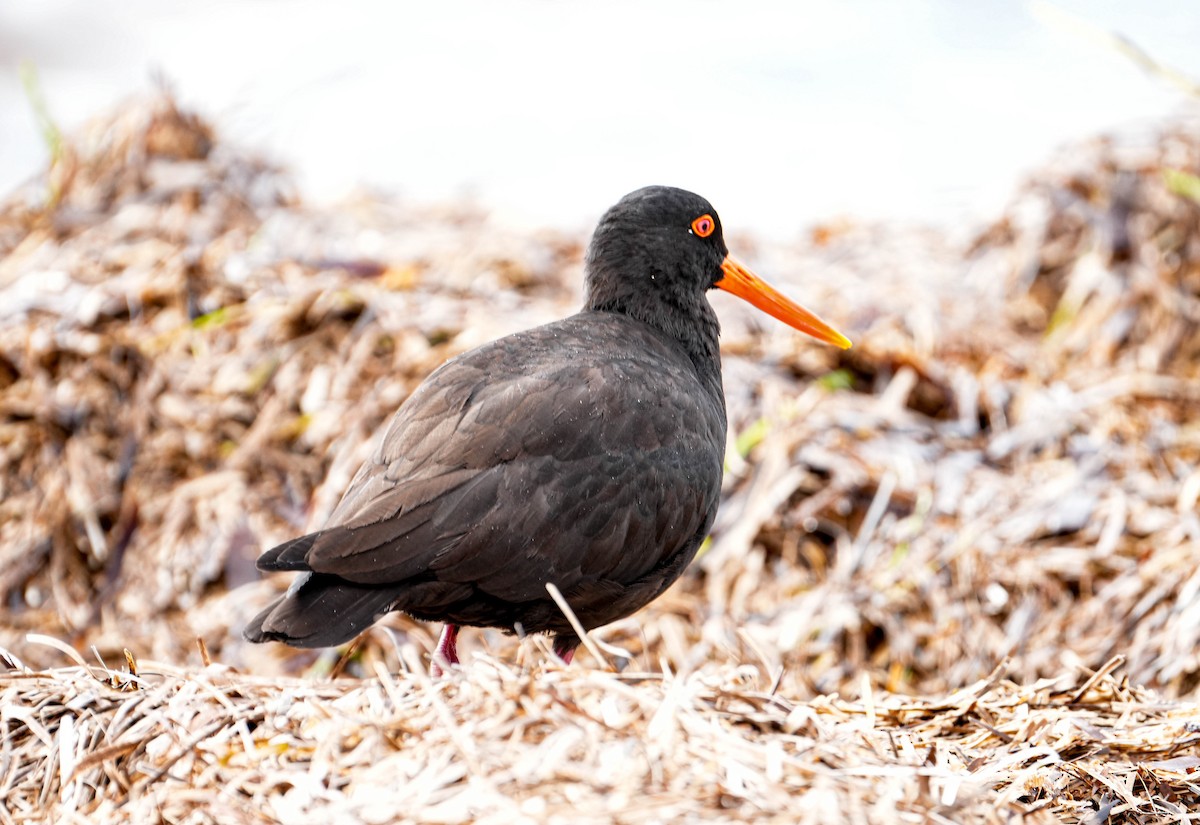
pixel 501 743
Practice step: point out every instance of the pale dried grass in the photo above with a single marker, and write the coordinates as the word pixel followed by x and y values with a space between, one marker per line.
pixel 502 742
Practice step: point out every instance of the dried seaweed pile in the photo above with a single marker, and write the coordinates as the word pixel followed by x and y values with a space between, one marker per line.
pixel 1003 470
pixel 508 744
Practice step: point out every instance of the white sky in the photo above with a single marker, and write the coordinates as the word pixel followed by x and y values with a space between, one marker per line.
pixel 781 113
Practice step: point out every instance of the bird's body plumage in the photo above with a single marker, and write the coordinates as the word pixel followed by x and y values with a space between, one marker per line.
pixel 585 453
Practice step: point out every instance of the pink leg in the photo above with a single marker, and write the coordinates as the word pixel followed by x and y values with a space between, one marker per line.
pixel 565 649
pixel 447 649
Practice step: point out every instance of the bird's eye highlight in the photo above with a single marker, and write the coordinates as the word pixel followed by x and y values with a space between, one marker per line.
pixel 704 225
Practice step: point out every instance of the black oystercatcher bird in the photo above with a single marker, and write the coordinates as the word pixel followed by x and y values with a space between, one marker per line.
pixel 586 453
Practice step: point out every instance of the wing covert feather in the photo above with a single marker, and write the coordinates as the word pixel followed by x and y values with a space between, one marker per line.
pixel 536 458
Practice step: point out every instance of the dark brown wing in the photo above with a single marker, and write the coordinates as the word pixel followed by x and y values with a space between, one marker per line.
pixel 586 453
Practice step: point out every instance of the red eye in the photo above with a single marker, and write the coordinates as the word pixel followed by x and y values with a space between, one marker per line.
pixel 704 225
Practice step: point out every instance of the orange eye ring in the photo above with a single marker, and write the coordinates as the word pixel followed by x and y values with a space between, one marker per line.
pixel 704 225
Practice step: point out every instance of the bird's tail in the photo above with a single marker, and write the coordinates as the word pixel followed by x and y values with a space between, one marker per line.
pixel 320 611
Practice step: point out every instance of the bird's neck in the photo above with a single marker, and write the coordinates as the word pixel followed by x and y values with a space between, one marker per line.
pixel 685 318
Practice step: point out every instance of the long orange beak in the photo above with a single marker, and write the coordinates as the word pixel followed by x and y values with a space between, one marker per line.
pixel 743 283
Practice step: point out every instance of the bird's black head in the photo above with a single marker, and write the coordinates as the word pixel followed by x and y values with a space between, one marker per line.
pixel 658 240
pixel 653 256
pixel 656 253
